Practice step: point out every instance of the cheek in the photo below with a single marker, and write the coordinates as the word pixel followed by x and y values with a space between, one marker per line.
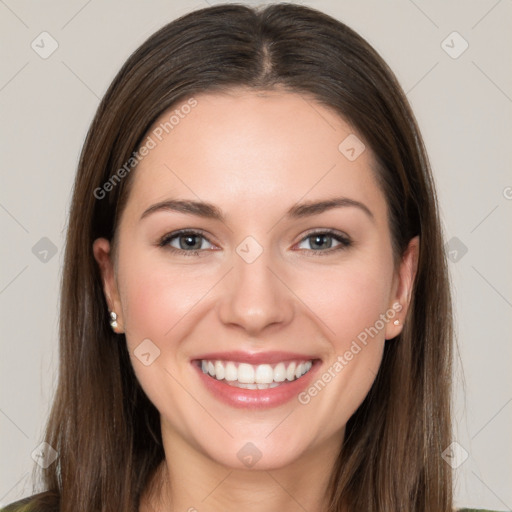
pixel 157 305
pixel 349 303
pixel 348 299
pixel 157 297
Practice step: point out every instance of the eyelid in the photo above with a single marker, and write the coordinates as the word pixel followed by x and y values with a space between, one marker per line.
pixel 326 231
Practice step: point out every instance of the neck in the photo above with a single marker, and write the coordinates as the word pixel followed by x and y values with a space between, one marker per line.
pixel 189 481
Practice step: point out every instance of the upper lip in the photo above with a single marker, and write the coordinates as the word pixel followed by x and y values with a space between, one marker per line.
pixel 255 357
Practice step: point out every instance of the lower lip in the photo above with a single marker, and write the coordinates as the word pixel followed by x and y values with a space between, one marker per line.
pixel 256 398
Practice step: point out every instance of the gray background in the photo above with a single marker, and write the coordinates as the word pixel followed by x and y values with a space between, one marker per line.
pixel 464 108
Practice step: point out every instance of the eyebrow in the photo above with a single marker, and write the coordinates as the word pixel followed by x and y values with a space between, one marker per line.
pixel 210 211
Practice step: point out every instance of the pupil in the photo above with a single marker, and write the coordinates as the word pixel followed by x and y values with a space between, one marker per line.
pixel 190 242
pixel 321 241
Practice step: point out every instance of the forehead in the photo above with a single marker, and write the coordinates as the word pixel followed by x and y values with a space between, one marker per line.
pixel 248 147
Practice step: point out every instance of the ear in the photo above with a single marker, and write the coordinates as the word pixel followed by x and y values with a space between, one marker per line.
pixel 103 256
pixel 403 283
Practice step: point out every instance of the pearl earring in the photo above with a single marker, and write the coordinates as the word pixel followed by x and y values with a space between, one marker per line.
pixel 113 320
pixel 396 322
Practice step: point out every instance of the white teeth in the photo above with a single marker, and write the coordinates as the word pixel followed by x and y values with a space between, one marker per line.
pixel 264 374
pixel 280 373
pixel 219 371
pixel 245 373
pixel 290 372
pixel 260 376
pixel 246 385
pixel 231 372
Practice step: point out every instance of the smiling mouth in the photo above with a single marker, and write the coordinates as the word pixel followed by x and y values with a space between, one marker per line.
pixel 249 376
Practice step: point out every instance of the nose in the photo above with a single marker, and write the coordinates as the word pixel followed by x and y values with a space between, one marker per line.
pixel 254 296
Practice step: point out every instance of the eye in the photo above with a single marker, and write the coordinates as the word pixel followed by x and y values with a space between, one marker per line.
pixel 186 241
pixel 324 241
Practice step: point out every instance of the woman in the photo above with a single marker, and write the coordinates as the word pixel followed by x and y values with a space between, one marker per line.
pixel 255 308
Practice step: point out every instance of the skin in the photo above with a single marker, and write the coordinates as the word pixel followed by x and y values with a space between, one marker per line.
pixel 253 155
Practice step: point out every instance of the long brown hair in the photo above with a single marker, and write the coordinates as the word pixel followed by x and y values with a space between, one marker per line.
pixel 102 424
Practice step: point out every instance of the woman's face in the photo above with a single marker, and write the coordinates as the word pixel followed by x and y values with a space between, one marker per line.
pixel 283 266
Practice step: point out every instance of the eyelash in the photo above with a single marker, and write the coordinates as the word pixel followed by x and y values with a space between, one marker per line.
pixel 344 241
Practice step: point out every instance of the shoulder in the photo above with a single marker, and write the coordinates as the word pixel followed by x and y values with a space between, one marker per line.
pixel 475 510
pixel 18 506
pixel 42 502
